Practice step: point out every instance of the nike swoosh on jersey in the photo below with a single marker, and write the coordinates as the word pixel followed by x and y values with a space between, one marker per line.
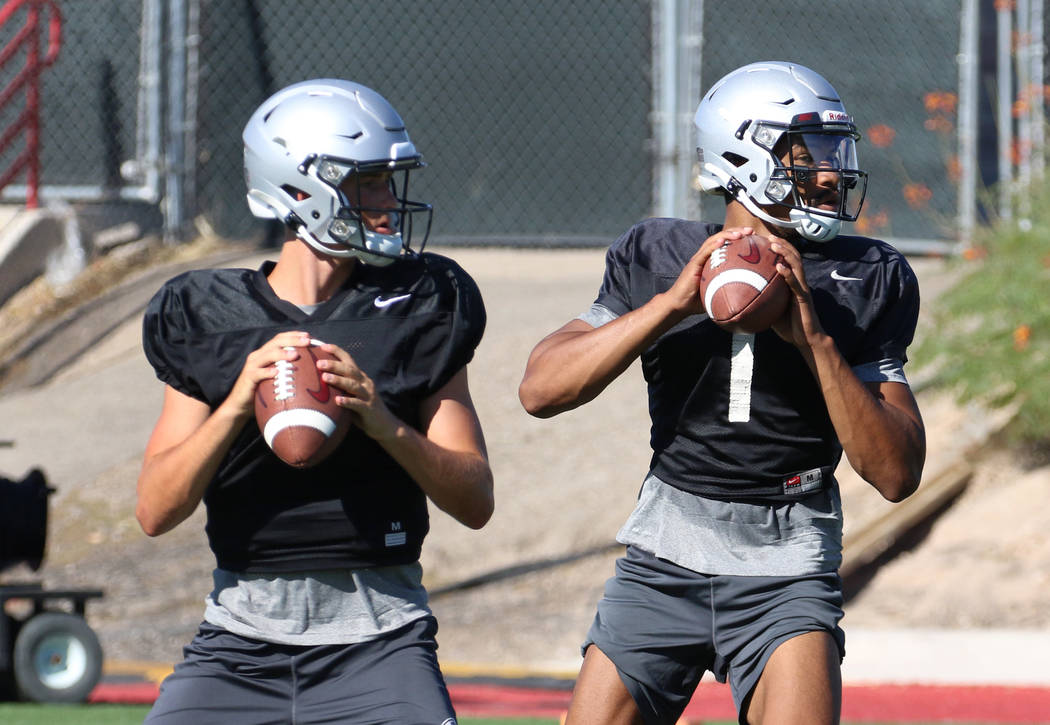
pixel 835 275
pixel 387 301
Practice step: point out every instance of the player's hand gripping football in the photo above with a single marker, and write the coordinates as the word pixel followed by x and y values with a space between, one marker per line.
pixel 685 292
pixel 360 397
pixel 800 325
pixel 258 366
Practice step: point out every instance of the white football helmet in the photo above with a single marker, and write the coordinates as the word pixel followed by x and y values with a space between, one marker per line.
pixel 753 117
pixel 303 142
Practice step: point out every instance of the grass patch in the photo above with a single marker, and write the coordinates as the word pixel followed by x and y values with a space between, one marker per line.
pixel 33 714
pixel 990 341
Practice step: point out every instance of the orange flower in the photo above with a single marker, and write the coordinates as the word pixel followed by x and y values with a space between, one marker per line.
pixel 1019 39
pixel 1033 93
pixel 953 168
pixel 1019 151
pixel 1020 107
pixel 938 124
pixel 869 223
pixel 917 195
pixel 972 254
pixel 881 136
pixel 940 102
pixel 1022 335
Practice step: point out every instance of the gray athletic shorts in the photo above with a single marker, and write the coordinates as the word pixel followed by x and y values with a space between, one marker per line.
pixel 228 679
pixel 663 626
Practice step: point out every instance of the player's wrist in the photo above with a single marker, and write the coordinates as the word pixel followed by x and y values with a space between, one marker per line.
pixel 819 343
pixel 233 412
pixel 388 431
pixel 673 308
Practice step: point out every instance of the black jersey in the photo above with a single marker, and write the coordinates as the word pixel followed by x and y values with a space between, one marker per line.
pixel 410 326
pixel 736 416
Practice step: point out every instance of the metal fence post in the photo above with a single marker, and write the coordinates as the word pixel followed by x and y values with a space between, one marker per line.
pixel 1037 99
pixel 675 50
pixel 1023 149
pixel 144 169
pixel 691 45
pixel 968 66
pixel 665 106
pixel 1004 98
pixel 174 147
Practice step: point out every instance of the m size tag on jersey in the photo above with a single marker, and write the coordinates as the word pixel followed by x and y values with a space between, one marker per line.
pixel 802 483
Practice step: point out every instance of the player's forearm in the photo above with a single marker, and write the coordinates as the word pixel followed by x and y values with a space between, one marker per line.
pixel 883 443
pixel 573 366
pixel 173 481
pixel 458 482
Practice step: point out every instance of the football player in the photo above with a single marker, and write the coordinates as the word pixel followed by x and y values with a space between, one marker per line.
pixel 318 612
pixel 733 548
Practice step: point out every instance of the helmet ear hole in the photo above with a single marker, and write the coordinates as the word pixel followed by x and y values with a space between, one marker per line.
pixel 735 159
pixel 295 193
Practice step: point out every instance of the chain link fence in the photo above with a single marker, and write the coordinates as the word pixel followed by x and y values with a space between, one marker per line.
pixel 88 98
pixel 547 121
pixel 888 60
pixel 532 117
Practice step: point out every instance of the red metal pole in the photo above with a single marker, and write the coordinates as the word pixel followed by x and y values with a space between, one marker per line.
pixel 29 76
pixel 33 106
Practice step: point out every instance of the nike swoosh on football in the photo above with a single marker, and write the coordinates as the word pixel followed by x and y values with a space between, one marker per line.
pixel 323 392
pixel 386 302
pixel 752 255
pixel 835 275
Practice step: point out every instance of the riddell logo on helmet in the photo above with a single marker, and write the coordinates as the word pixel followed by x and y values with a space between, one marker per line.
pixel 836 116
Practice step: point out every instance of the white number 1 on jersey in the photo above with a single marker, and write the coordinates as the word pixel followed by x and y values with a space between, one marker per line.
pixel 741 371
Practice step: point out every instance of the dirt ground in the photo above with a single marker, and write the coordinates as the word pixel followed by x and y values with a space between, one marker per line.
pixel 563 488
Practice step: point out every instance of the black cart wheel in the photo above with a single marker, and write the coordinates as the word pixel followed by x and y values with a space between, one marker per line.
pixel 57 658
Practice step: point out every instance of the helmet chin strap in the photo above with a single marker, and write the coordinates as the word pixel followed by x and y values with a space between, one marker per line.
pixel 389 244
pixel 810 226
pixel 816 228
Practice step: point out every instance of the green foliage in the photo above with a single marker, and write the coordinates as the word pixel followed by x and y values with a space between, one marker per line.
pixel 990 340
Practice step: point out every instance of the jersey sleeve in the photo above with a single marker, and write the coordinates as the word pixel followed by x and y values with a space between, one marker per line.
pixel 892 331
pixel 165 340
pixel 615 292
pixel 647 260
pixel 466 323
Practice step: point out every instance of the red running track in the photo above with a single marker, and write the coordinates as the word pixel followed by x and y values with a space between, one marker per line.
pixel 860 703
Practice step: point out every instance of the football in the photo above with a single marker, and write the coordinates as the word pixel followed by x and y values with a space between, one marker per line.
pixel 740 287
pixel 296 411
